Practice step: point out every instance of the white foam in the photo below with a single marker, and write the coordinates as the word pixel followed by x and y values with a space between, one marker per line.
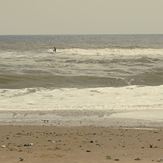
pixel 123 98
pixel 114 52
pixel 51 51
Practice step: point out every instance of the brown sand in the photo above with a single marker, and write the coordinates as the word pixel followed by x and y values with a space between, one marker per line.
pixel 49 144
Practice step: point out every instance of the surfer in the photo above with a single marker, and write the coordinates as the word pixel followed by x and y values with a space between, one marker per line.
pixel 54 49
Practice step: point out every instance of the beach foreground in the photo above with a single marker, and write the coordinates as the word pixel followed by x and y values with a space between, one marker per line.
pixel 40 144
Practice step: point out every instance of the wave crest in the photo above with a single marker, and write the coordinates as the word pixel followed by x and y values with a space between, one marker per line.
pixel 113 51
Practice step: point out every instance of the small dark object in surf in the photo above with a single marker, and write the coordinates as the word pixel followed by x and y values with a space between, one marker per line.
pixel 54 49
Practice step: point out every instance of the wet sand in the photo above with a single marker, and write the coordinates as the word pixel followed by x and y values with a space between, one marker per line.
pixel 41 144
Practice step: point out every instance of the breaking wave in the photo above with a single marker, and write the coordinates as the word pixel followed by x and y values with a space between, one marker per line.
pixel 108 98
pixel 114 51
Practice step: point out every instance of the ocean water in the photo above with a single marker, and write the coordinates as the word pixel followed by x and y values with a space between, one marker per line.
pixel 88 72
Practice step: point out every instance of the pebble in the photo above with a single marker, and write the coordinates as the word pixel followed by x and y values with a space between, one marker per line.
pixel 160 160
pixel 137 159
pixel 52 141
pixel 28 145
pixel 21 159
pixel 3 146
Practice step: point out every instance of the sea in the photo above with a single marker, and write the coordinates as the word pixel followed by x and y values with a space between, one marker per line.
pixel 87 72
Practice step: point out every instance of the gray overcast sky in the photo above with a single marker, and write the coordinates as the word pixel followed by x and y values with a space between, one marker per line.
pixel 81 16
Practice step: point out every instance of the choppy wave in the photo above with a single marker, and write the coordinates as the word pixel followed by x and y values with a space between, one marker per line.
pixel 81 68
pixel 53 81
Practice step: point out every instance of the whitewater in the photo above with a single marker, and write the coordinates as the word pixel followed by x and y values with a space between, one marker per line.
pixel 102 79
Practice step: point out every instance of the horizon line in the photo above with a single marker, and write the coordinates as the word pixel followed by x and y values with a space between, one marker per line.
pixel 81 34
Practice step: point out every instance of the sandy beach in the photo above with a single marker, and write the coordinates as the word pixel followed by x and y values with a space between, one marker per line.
pixel 40 144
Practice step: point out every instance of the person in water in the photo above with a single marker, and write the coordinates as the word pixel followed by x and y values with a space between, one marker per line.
pixel 54 49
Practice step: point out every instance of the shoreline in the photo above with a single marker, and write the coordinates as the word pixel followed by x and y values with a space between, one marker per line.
pixel 106 118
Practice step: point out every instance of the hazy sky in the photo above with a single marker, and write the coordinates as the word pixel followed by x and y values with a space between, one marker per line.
pixel 81 16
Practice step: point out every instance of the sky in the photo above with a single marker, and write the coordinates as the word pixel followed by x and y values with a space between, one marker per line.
pixel 81 17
